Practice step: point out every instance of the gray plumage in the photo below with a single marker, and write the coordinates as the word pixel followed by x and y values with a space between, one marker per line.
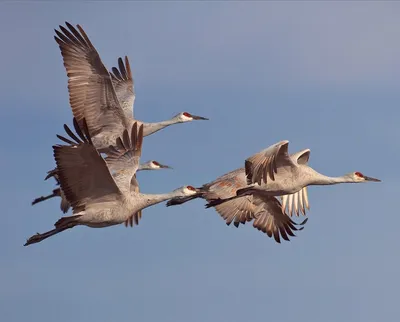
pixel 104 99
pixel 64 204
pixel 98 197
pixel 265 212
pixel 272 172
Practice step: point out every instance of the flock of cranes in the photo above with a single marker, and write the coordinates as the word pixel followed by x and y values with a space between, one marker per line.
pixel 96 164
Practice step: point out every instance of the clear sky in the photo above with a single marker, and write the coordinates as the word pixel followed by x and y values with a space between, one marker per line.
pixel 324 75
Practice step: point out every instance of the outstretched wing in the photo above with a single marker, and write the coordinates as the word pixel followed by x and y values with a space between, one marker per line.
pixel 124 86
pixel 123 159
pixel 238 210
pixel 83 173
pixel 270 220
pixel 138 215
pixel 265 164
pixel 299 200
pixel 266 213
pixel 91 92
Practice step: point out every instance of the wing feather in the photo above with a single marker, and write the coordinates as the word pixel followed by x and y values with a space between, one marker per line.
pixel 84 175
pixel 91 92
pixel 125 158
pixel 265 212
pixel 270 219
pixel 124 86
pixel 265 164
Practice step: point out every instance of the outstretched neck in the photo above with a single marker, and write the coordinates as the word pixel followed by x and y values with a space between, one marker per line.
pixel 150 128
pixel 143 167
pixel 320 179
pixel 153 199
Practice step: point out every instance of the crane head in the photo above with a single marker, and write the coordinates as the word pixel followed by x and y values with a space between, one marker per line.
pixel 187 117
pixel 152 165
pixel 157 165
pixel 188 190
pixel 359 177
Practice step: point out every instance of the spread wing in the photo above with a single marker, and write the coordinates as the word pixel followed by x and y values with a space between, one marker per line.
pixel 270 220
pixel 266 213
pixel 299 200
pixel 83 173
pixel 91 92
pixel 238 210
pixel 138 215
pixel 265 164
pixel 123 159
pixel 124 86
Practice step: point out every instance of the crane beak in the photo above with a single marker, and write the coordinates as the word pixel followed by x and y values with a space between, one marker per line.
pixel 200 190
pixel 371 179
pixel 163 166
pixel 195 117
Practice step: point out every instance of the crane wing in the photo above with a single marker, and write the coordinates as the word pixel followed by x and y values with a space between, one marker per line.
pixel 83 173
pixel 91 92
pixel 301 157
pixel 299 200
pixel 265 212
pixel 265 164
pixel 124 158
pixel 238 210
pixel 270 220
pixel 138 215
pixel 124 86
pixel 121 178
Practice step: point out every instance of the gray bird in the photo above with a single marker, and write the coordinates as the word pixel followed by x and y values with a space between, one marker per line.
pixel 64 204
pixel 266 212
pixel 99 198
pixel 272 172
pixel 104 99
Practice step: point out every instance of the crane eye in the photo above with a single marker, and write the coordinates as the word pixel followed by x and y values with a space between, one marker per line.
pixel 156 163
pixel 187 114
pixel 359 174
pixel 191 188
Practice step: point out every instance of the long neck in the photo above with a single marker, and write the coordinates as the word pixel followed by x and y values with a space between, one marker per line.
pixel 143 166
pixel 150 128
pixel 318 179
pixel 153 199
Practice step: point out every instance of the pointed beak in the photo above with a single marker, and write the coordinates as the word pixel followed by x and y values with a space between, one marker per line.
pixel 200 190
pixel 371 179
pixel 195 117
pixel 163 166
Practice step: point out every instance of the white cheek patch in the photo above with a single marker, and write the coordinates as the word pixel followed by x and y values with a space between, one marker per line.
pixel 188 191
pixel 185 118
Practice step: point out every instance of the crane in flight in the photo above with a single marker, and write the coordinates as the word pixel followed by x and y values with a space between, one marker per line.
pixel 272 172
pixel 98 198
pixel 266 212
pixel 105 99
pixel 64 204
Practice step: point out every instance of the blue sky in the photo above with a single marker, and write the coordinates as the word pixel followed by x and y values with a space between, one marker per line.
pixel 324 75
